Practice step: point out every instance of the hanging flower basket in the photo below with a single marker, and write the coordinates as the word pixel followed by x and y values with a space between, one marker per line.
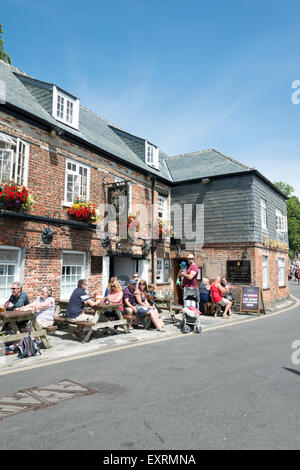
pixel 132 224
pixel 14 197
pixel 163 229
pixel 83 211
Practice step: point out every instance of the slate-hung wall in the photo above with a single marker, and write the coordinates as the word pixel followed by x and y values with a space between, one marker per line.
pixel 233 223
pixel 274 201
pixel 228 207
pixel 41 264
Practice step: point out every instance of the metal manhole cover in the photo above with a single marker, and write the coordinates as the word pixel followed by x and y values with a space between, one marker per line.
pixel 36 398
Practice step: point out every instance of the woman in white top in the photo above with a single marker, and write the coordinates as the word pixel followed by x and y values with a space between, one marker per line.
pixel 44 306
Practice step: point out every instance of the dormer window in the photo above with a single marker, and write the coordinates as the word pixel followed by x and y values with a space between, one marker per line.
pixel 151 155
pixel 65 108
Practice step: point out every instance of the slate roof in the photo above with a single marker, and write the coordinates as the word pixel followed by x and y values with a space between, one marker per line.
pixel 203 164
pixel 34 97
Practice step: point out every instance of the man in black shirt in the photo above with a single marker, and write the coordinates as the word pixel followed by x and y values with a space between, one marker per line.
pixel 77 300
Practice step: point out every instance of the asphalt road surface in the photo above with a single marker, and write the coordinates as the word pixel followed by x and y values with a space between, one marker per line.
pixel 231 388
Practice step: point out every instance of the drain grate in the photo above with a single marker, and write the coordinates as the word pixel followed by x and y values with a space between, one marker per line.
pixel 36 398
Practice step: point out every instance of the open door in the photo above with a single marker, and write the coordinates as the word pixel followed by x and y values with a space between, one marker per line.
pixel 178 292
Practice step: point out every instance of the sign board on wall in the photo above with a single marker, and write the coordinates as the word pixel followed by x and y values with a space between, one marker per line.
pixel 239 271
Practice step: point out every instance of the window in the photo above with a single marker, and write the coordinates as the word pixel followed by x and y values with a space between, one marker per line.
pixel 162 207
pixel 9 270
pixel 281 272
pixel 73 269
pixel 77 182
pixel 265 272
pixel 151 155
pixel 281 221
pixel 65 108
pixel 162 270
pixel 14 154
pixel 263 213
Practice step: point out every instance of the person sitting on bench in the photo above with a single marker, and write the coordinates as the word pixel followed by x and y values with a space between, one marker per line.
pixel 77 301
pixel 143 306
pixel 217 292
pixel 44 305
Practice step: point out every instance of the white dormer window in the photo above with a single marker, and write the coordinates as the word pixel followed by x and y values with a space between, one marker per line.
pixel 151 156
pixel 65 108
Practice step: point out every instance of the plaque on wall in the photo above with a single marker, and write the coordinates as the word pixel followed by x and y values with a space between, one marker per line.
pixel 239 272
pixel 96 264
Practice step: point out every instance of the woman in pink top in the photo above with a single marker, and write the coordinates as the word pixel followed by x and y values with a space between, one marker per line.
pixel 114 296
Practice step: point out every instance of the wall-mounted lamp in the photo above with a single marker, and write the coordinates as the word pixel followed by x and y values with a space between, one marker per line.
pixel 205 180
pixel 245 254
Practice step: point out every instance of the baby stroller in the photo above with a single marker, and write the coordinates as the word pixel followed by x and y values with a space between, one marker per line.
pixel 190 319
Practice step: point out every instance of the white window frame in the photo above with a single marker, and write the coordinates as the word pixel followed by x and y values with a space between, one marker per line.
pixel 16 143
pixel 281 221
pixel 17 272
pixel 66 99
pixel 164 275
pixel 265 272
pixel 263 214
pixel 76 173
pixel 154 161
pixel 164 207
pixel 84 265
pixel 281 272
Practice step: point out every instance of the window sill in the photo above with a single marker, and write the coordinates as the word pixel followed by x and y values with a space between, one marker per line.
pixel 282 287
pixel 66 204
pixel 163 283
pixel 266 288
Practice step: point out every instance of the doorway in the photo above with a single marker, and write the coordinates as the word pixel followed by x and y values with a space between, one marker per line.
pixel 178 291
pixel 124 266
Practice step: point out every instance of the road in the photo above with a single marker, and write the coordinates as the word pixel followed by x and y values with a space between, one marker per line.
pixel 231 388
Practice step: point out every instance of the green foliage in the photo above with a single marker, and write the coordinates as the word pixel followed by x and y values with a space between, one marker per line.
pixel 284 188
pixel 293 216
pixel 3 55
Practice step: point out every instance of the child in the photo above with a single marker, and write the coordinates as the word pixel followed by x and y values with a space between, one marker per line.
pixel 183 269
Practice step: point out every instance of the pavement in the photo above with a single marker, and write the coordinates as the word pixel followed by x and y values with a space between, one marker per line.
pixel 64 346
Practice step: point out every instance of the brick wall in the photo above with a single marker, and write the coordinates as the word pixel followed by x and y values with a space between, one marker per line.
pixel 46 181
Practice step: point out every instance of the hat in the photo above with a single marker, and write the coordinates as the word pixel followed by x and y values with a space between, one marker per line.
pixel 190 256
pixel 131 281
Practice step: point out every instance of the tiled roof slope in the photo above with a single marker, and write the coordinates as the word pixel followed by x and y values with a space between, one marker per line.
pixel 30 95
pixel 203 164
pixel 35 97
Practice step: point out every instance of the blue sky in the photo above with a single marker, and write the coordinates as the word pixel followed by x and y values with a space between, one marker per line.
pixel 187 75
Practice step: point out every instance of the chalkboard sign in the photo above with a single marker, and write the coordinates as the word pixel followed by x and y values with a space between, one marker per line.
pixel 251 298
pixel 239 271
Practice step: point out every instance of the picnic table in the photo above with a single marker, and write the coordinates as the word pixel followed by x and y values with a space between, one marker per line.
pixel 164 303
pixel 14 318
pixel 88 327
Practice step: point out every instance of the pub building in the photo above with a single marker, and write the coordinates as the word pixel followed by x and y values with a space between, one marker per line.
pixel 59 150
